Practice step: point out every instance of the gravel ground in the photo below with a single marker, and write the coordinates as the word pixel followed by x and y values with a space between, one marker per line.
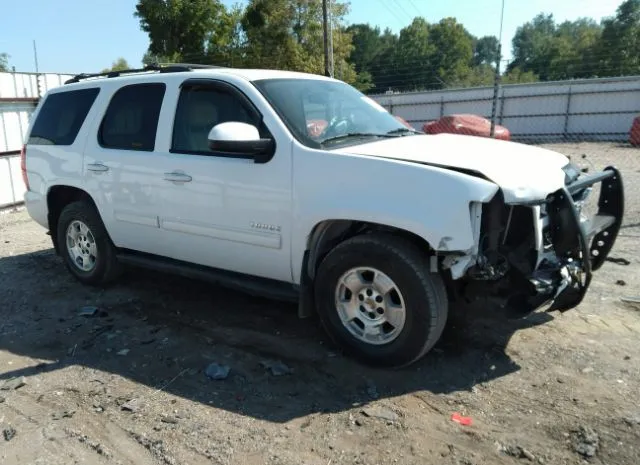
pixel 128 384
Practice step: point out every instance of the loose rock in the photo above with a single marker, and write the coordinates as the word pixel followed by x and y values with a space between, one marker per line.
pixel 516 451
pixel 169 420
pixel 586 442
pixel 276 367
pixel 2 399
pixel 123 352
pixel 61 415
pixel 217 372
pixel 132 406
pixel 88 311
pixel 633 419
pixel 621 282
pixel 9 433
pixel 380 412
pixel 13 384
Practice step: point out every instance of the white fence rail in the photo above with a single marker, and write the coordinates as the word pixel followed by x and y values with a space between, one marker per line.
pixel 11 185
pixel 589 109
pixel 19 93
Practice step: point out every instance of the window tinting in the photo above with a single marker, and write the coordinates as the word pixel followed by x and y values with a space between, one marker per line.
pixel 199 110
pixel 131 121
pixel 61 117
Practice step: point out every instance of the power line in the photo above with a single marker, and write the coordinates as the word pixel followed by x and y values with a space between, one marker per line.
pixel 402 10
pixel 391 11
pixel 415 7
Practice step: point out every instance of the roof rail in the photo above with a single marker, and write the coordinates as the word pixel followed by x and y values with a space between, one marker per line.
pixel 169 68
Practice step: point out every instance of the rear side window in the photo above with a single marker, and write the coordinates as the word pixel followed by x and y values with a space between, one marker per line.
pixel 131 120
pixel 61 117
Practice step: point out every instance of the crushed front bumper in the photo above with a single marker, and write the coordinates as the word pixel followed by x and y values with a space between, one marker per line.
pixel 581 245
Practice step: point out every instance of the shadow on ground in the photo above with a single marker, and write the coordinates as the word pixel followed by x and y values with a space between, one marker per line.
pixel 173 328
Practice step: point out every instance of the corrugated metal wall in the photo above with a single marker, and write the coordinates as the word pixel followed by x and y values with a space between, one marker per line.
pixel 590 109
pixel 19 94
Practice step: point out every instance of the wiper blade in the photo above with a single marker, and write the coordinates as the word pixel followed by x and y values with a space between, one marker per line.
pixel 356 134
pixel 402 130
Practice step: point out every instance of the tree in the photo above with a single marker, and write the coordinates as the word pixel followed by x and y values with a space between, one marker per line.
pixel 227 42
pixel 119 65
pixel 553 52
pixel 179 28
pixel 453 51
pixel 619 48
pixel 485 51
pixel 517 76
pixel 287 34
pixel 4 62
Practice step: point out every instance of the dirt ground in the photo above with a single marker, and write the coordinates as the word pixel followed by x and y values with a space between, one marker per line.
pixel 128 385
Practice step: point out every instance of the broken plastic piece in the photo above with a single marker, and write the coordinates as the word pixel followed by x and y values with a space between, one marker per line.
pixel 464 421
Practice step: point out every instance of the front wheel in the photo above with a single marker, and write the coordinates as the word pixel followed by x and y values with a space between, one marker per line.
pixel 378 300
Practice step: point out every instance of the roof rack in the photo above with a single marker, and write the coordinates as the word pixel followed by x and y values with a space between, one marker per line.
pixel 164 68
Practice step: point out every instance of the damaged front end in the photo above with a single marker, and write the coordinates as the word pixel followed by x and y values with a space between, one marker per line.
pixel 543 253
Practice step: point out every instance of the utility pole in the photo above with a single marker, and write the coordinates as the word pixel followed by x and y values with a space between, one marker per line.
pixel 328 38
pixel 496 82
pixel 35 57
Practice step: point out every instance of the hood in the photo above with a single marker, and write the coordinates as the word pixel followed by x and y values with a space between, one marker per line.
pixel 523 172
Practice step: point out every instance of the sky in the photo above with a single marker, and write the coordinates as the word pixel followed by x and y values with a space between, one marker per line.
pixel 74 36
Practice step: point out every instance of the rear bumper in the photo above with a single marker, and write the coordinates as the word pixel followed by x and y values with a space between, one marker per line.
pixel 581 244
pixel 36 205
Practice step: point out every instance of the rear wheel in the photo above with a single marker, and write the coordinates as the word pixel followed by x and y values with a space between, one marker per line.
pixel 377 299
pixel 85 245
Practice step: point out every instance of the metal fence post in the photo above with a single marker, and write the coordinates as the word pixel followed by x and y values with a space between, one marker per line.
pixel 13 190
pixel 502 99
pixel 565 132
pixel 441 107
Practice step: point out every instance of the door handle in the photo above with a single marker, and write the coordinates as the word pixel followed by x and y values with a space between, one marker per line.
pixel 97 167
pixel 177 177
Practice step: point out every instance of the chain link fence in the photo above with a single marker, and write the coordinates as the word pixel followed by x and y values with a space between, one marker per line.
pixel 576 110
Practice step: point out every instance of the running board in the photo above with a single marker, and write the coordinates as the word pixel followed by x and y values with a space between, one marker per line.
pixel 256 286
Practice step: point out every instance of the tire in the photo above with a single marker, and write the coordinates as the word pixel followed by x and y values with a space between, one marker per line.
pixel 104 267
pixel 421 293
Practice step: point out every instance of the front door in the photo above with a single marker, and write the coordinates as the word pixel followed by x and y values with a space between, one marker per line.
pixel 223 211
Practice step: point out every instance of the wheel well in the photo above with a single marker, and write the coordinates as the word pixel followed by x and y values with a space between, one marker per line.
pixel 328 234
pixel 58 198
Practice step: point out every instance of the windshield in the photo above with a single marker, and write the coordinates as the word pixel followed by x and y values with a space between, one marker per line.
pixel 329 113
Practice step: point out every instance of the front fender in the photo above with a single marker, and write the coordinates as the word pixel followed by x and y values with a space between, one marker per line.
pixel 431 202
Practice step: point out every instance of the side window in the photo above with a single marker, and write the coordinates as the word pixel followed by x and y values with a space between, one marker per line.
pixel 200 109
pixel 131 120
pixel 61 117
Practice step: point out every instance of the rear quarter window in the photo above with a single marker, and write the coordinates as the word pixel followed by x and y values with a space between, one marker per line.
pixel 61 117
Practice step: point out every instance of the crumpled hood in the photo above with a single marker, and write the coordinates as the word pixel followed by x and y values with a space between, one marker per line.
pixel 523 172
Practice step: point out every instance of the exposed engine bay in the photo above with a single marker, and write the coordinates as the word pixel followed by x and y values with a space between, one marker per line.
pixel 531 255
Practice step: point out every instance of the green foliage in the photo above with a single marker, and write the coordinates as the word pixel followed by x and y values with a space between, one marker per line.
pixel 517 76
pixel 288 34
pixel 556 52
pixel 619 49
pixel 485 51
pixel 179 27
pixel 118 65
pixel 4 62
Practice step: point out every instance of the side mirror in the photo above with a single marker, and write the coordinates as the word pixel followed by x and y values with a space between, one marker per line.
pixel 240 139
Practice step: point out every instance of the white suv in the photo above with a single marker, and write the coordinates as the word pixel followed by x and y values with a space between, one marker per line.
pixel 298 186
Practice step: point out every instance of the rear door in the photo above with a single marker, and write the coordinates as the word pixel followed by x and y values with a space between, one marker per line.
pixel 119 167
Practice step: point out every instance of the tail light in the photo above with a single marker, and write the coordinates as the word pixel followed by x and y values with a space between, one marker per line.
pixel 23 165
